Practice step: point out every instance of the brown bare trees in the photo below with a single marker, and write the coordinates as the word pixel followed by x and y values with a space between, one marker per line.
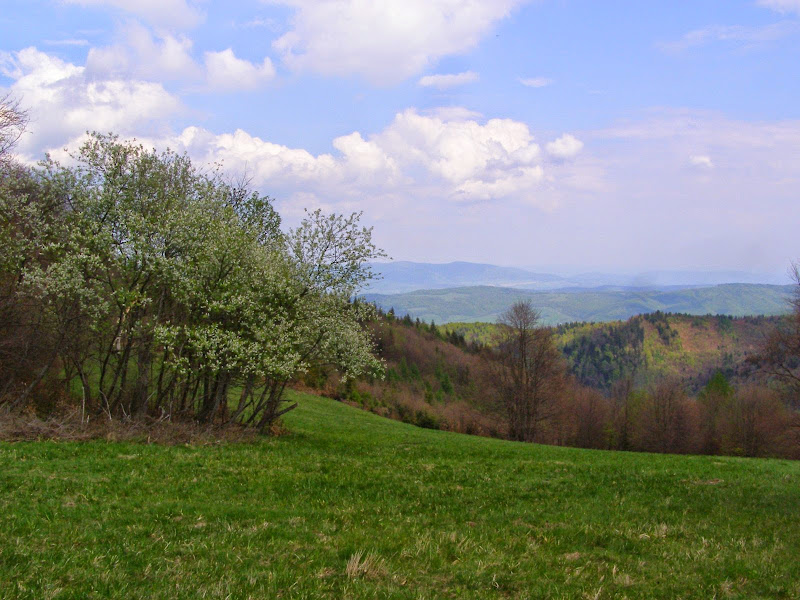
pixel 780 357
pixel 529 371
pixel 667 420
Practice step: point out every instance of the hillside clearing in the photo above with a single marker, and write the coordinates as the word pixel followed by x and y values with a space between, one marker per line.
pixel 351 505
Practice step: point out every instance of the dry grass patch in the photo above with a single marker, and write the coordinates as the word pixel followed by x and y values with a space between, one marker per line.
pixel 369 566
pixel 72 428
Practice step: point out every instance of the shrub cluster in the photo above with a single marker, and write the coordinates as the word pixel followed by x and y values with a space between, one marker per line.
pixel 149 286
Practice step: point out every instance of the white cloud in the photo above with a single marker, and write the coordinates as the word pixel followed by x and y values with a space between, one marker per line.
pixel 139 54
pixel 178 14
pixel 224 71
pixel 535 82
pixel 64 103
pixel 737 34
pixel 386 41
pixel 448 80
pixel 701 161
pixel 782 6
pixel 458 188
pixel 567 146
pixel 421 157
pixel 165 57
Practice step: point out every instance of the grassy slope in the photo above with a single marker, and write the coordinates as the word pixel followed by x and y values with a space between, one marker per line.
pixel 486 303
pixel 438 515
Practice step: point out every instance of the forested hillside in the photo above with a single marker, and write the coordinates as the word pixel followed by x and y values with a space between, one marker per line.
pixel 660 383
pixel 486 303
pixel 650 347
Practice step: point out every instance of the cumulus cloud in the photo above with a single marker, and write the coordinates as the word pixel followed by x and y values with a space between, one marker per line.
pixel 450 154
pixel 178 14
pixel 387 41
pixel 444 81
pixel 567 146
pixel 64 102
pixel 782 6
pixel 535 82
pixel 139 54
pixel 416 155
pixel 166 57
pixel 224 71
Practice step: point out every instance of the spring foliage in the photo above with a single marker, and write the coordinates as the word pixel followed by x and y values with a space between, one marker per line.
pixel 160 288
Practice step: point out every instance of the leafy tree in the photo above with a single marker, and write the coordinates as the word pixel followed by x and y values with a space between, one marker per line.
pixel 165 289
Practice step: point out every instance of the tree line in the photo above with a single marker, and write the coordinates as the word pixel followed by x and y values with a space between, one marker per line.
pixel 521 386
pixel 542 403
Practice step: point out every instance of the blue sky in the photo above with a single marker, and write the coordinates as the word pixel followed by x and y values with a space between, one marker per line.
pixel 615 135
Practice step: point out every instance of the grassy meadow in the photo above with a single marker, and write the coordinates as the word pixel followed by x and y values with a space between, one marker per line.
pixel 350 505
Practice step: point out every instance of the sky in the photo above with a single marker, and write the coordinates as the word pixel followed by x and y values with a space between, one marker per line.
pixel 614 135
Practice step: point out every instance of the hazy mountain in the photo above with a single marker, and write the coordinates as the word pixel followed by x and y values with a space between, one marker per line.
pixel 666 279
pixel 404 276
pixel 484 303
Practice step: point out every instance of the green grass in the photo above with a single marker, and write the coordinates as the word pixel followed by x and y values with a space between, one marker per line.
pixel 428 514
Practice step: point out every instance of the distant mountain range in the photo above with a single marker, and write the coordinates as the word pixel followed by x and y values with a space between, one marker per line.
pixel 403 276
pixel 486 303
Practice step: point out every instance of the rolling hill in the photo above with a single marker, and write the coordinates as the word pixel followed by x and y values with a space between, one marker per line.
pixel 486 303
pixel 649 347
pixel 405 276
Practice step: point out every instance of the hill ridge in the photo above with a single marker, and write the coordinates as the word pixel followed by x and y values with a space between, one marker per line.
pixel 485 303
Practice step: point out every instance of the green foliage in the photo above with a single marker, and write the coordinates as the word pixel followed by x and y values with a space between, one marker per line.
pixel 718 386
pixel 603 355
pixel 647 347
pixel 661 323
pixel 444 380
pixel 166 288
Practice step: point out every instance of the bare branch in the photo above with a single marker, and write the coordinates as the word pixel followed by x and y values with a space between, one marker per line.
pixel 13 121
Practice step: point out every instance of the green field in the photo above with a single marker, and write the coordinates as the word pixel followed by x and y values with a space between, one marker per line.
pixel 350 505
